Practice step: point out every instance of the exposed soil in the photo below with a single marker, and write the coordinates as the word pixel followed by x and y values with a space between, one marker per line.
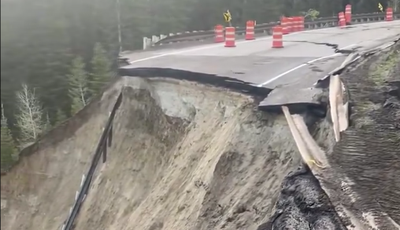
pixel 185 156
pixel 190 156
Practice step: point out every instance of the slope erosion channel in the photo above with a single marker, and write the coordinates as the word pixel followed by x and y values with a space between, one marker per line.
pixel 184 156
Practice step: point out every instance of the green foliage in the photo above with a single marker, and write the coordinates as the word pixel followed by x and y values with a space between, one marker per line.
pixel 8 147
pixel 312 14
pixel 78 86
pixel 61 117
pixel 101 70
pixel 381 70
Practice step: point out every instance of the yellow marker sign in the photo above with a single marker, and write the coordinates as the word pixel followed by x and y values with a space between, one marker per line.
pixel 380 7
pixel 227 16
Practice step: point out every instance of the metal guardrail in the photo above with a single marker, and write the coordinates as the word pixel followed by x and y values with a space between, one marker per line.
pixel 101 150
pixel 267 27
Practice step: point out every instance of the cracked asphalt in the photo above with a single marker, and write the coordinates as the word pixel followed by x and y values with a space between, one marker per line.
pixel 318 52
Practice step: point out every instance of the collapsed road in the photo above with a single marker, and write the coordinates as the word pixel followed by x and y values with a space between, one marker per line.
pixel 195 152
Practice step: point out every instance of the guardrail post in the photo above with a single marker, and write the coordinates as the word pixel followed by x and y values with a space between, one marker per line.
pixel 110 136
pixel 104 152
pixel 144 43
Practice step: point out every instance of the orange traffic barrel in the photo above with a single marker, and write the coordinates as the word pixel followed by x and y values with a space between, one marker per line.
pixel 342 20
pixel 290 24
pixel 249 30
pixel 230 37
pixel 284 25
pixel 347 14
pixel 219 33
pixel 389 14
pixel 297 23
pixel 277 36
pixel 301 23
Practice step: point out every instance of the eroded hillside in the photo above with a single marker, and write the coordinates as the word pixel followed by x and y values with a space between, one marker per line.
pixel 185 156
pixel 191 156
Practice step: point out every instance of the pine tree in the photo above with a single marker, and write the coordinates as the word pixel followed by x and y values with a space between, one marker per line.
pixel 101 70
pixel 46 124
pixel 8 147
pixel 78 85
pixel 60 117
pixel 30 120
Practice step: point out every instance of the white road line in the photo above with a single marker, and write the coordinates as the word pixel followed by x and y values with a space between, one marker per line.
pixel 245 41
pixel 195 49
pixel 220 45
pixel 239 42
pixel 302 65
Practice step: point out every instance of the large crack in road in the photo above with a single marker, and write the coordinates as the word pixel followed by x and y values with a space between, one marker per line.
pixel 335 47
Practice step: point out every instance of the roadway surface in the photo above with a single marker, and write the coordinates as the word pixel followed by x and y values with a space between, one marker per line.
pixel 300 62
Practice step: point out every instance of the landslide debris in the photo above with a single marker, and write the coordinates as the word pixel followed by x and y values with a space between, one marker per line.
pixel 369 152
pixel 190 156
pixel 184 156
pixel 363 181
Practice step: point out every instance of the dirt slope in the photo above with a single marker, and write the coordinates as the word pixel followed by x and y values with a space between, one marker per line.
pixel 188 156
pixel 185 156
pixel 37 193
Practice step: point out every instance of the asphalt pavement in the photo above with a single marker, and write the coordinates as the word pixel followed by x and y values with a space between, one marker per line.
pixel 306 56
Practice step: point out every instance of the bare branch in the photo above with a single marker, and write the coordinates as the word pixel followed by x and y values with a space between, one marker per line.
pixel 3 117
pixel 30 118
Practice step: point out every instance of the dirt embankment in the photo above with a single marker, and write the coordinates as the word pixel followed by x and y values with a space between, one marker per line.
pixel 185 156
pixel 38 192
